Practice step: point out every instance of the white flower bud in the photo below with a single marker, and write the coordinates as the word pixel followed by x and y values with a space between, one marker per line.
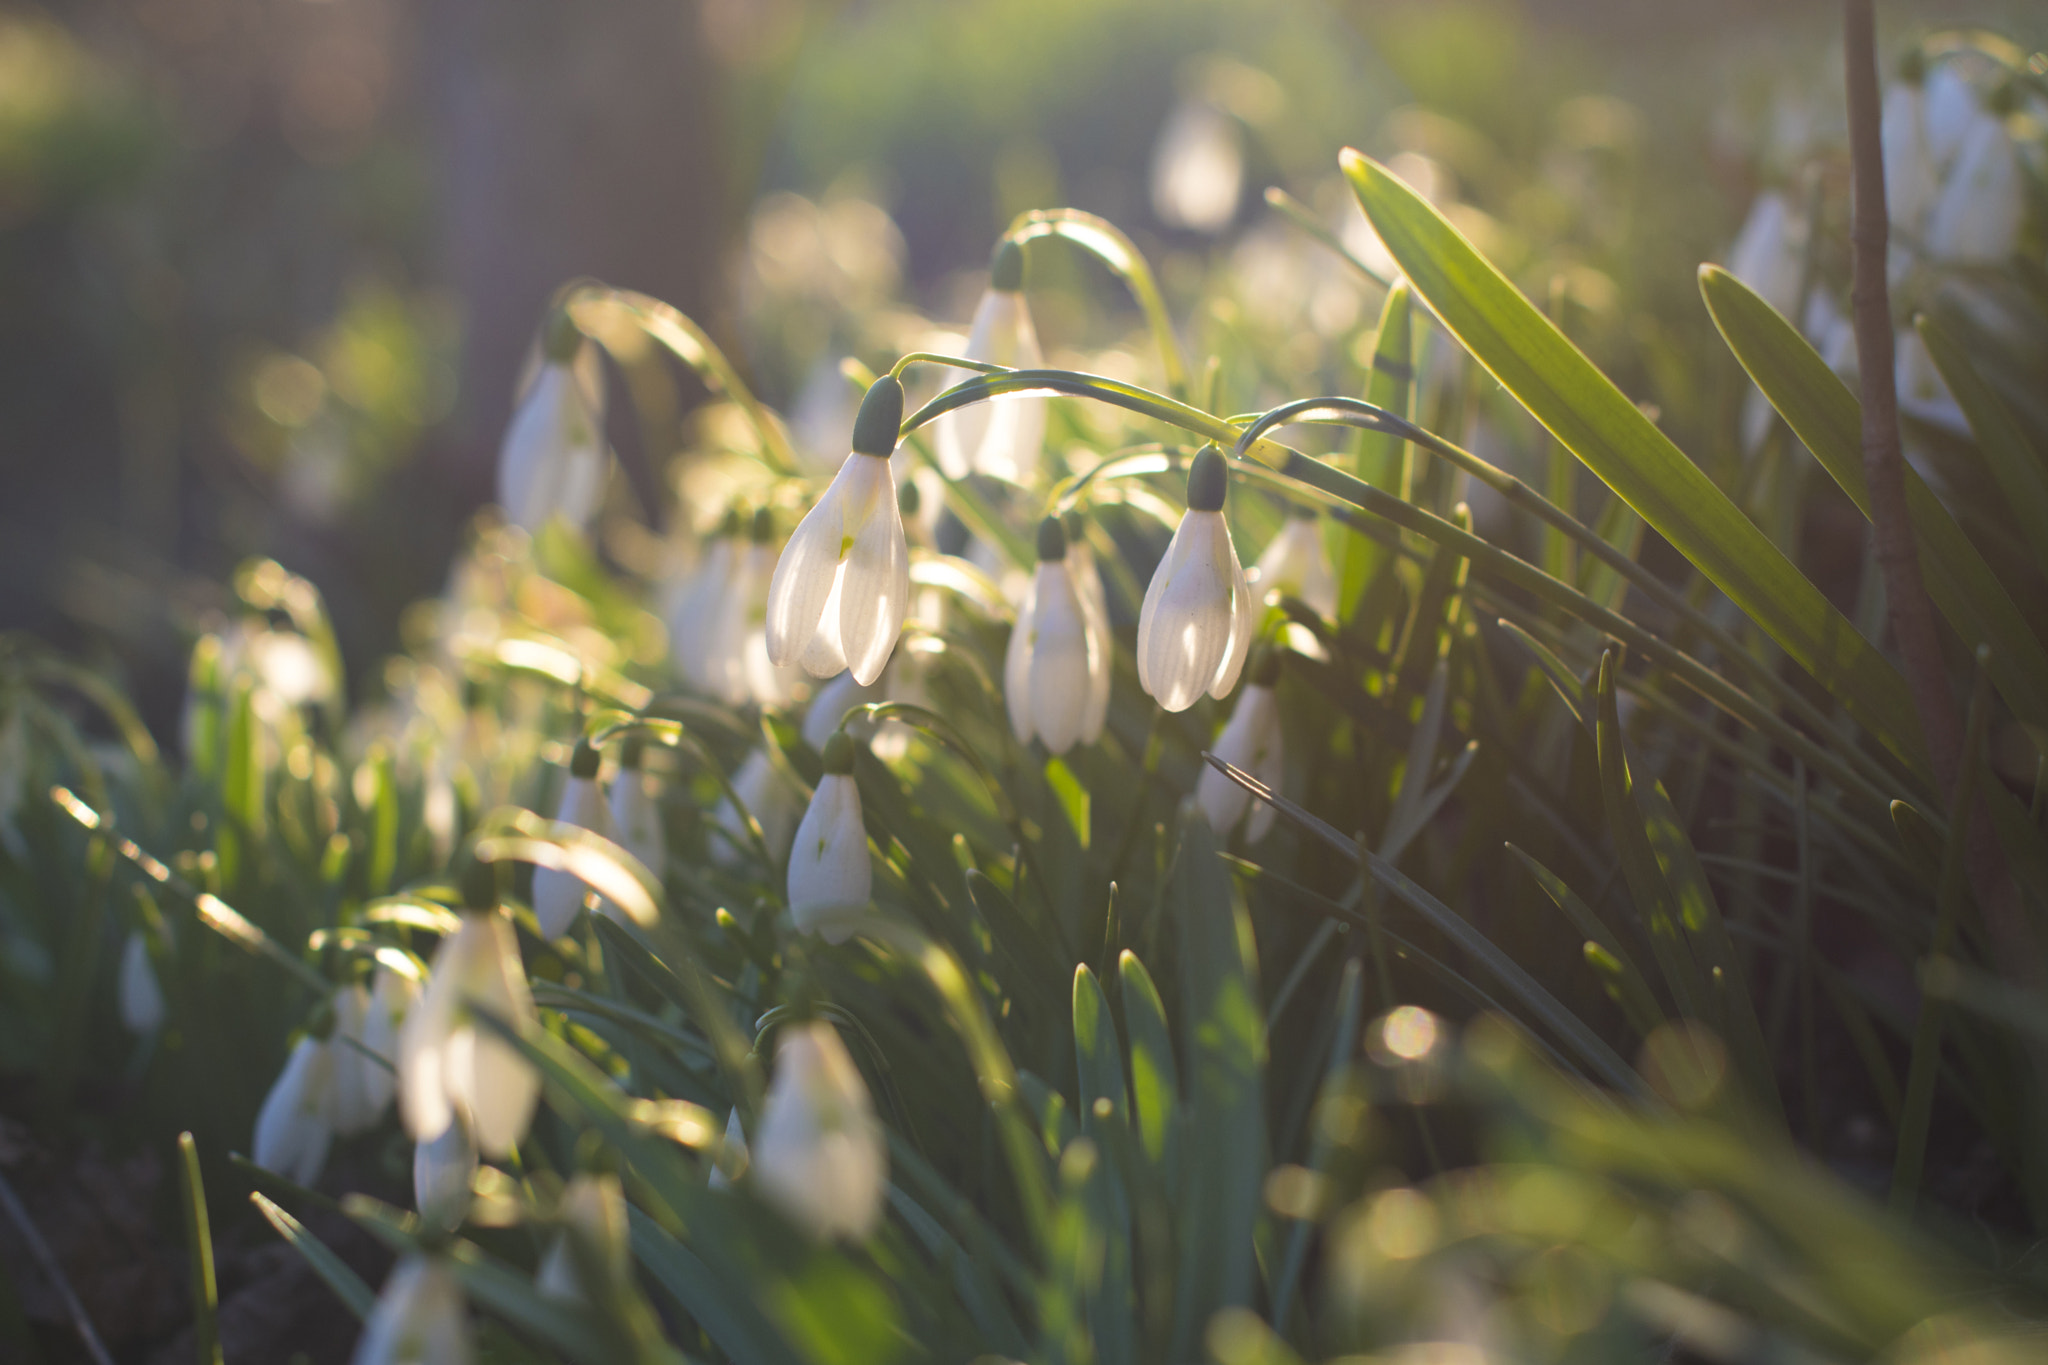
pixel 819 1156
pixel 359 1086
pixel 1769 252
pixel 420 1318
pixel 292 1132
pixel 448 1065
pixel 830 876
pixel 636 815
pixel 1051 665
pixel 552 462
pixel 1196 624
pixel 1250 741
pixel 142 999
pixel 443 1173
pixel 1296 564
pixel 1976 218
pixel 1101 643
pixel 1002 438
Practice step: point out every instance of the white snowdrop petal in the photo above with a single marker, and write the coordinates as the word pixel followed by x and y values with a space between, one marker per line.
pixel 142 999
pixel 420 1318
pixel 292 1135
pixel 806 573
pixel 1186 636
pixel 819 1155
pixel 558 896
pixel 875 596
pixel 1101 643
pixel 1244 617
pixel 1058 683
pixel 443 1171
pixel 830 874
pixel 1017 667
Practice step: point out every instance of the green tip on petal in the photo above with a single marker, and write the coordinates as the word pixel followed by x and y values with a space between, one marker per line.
pixel 763 529
pixel 1265 669
pixel 881 416
pixel 583 763
pixel 560 339
pixel 1006 270
pixel 1208 479
pixel 839 754
pixel 632 752
pixel 1052 540
pixel 480 885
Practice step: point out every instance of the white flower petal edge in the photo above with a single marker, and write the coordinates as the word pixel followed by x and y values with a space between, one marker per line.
pixel 1195 626
pixel 1249 740
pixel 447 1065
pixel 1101 644
pixel 819 1155
pixel 292 1135
pixel 420 1318
pixel 806 573
pixel 830 875
pixel 874 592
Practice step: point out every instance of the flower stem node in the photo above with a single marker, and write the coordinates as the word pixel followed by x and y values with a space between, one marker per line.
pixel 1006 267
pixel 881 417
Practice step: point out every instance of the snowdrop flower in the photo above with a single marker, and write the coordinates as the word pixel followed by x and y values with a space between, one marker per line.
pixel 292 1132
pixel 1249 740
pixel 1196 624
pixel 830 877
pixel 1002 439
pixel 732 1159
pixel 1950 106
pixel 1909 169
pixel 767 795
pixel 1095 610
pixel 421 1318
pixel 1296 563
pixel 841 588
pixel 552 462
pixel 819 1156
pixel 593 1214
pixel 1768 254
pixel 558 895
pixel 699 597
pixel 636 815
pixel 448 1066
pixel 730 657
pixel 1197 168
pixel 358 1086
pixel 1976 218
pixel 443 1171
pixel 1051 669
pixel 142 999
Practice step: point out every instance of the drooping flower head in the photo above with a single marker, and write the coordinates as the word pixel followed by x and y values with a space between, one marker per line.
pixel 552 462
pixel 1053 662
pixel 1296 563
pixel 421 1318
pixel 559 895
pixel 830 876
pixel 1196 625
pixel 819 1155
pixel 1250 740
pixel 1005 438
pixel 292 1132
pixel 448 1064
pixel 842 586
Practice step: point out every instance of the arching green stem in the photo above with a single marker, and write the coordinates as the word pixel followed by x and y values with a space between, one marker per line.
pixel 1106 242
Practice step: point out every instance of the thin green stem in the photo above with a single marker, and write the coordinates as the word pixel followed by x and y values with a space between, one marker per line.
pixel 1108 244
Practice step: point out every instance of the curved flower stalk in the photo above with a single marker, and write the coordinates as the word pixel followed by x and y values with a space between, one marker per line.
pixel 1196 625
pixel 842 586
pixel 1249 740
pixel 768 796
pixel 819 1156
pixel 420 1317
pixel 557 895
pixel 552 461
pixel 292 1130
pixel 635 814
pixel 830 876
pixel 448 1066
pixel 1296 563
pixel 443 1172
pixel 1003 440
pixel 1054 659
pixel 142 999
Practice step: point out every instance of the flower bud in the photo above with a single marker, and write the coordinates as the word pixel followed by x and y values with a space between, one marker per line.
pixel 830 876
pixel 443 1173
pixel 449 1065
pixel 292 1132
pixel 1196 624
pixel 635 814
pixel 1250 740
pixel 819 1156
pixel 142 999
pixel 420 1317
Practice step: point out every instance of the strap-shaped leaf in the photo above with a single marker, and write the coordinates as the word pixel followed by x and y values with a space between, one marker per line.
pixel 1826 417
pixel 1594 420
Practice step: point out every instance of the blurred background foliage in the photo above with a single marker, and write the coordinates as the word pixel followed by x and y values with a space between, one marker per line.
pixel 267 269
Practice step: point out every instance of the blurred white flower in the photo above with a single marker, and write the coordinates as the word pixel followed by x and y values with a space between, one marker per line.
pixel 1950 105
pixel 593 1213
pixel 635 814
pixel 1923 393
pixel 1004 438
pixel 443 1171
pixel 819 1156
pixel 1909 169
pixel 558 895
pixel 358 1085
pixel 142 999
pixel 1050 669
pixel 1197 167
pixel 450 1066
pixel 1249 740
pixel 768 796
pixel 420 1318
pixel 830 876
pixel 1296 563
pixel 1976 217
pixel 699 598
pixel 552 461
pixel 1195 627
pixel 842 586
pixel 292 1132
pixel 1087 581
pixel 1769 252
pixel 732 1159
